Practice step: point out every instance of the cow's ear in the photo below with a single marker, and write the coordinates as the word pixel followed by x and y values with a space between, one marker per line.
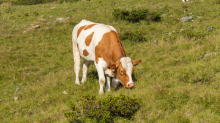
pixel 136 62
pixel 111 66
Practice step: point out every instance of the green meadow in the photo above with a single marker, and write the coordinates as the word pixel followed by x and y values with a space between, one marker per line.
pixel 178 79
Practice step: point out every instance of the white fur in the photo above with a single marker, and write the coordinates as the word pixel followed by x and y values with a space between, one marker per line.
pixel 127 65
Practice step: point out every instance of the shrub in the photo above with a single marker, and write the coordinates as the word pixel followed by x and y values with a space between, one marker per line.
pixel 34 2
pixel 61 1
pixel 217 1
pixel 136 15
pixel 103 110
pixel 192 34
pixel 134 36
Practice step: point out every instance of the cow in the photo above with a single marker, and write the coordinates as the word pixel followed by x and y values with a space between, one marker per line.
pixel 100 44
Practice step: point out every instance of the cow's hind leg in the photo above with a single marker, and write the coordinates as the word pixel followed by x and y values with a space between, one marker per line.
pixel 85 69
pixel 76 56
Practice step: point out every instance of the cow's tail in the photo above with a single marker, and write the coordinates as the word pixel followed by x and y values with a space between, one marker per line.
pixel 76 54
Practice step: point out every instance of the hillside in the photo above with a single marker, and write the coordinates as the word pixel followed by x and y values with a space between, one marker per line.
pixel 178 78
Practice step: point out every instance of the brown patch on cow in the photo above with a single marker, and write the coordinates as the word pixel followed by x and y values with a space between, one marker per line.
pixel 89 26
pixel 109 48
pixel 136 62
pixel 79 30
pixel 77 45
pixel 89 39
pixel 85 52
pixel 122 76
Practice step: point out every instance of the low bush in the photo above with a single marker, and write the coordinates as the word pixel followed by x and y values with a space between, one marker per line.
pixel 103 110
pixel 136 15
pixel 134 36
pixel 192 34
pixel 34 2
pixel 217 1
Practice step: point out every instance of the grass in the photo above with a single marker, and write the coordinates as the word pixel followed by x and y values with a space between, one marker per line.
pixel 175 81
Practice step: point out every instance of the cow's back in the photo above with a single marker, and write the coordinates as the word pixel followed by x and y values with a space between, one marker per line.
pixel 87 36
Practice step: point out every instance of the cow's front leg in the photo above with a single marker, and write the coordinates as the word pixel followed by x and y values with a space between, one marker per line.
pixel 85 69
pixel 108 87
pixel 101 77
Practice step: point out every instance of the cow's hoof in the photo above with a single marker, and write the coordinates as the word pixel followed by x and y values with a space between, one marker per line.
pixel 108 90
pixel 100 93
pixel 82 82
pixel 78 83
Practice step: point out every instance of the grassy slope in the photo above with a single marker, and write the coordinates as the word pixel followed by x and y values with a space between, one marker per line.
pixel 174 80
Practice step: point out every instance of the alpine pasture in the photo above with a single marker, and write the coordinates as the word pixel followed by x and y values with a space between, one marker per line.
pixel 178 79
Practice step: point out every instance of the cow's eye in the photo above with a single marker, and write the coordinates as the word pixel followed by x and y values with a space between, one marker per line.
pixel 122 72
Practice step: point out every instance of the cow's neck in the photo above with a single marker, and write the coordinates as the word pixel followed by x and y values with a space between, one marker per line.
pixel 118 52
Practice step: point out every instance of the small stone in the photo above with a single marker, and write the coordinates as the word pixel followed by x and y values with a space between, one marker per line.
pixel 60 19
pixel 51 16
pixel 209 28
pixel 15 99
pixel 35 26
pixel 163 15
pixel 0 100
pixel 64 92
pixel 209 53
pixel 42 20
pixel 187 18
pixel 17 89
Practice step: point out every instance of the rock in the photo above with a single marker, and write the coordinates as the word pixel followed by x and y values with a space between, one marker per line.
pixel 209 28
pixel 35 27
pixel 64 92
pixel 211 53
pixel 187 18
pixel 51 16
pixel 59 19
pixel 0 100
pixel 42 20
pixel 163 15
pixel 17 89
pixel 15 99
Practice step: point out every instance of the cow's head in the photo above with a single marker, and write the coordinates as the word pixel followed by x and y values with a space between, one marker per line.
pixel 123 70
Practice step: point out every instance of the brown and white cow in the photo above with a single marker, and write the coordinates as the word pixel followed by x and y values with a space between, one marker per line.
pixel 100 44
